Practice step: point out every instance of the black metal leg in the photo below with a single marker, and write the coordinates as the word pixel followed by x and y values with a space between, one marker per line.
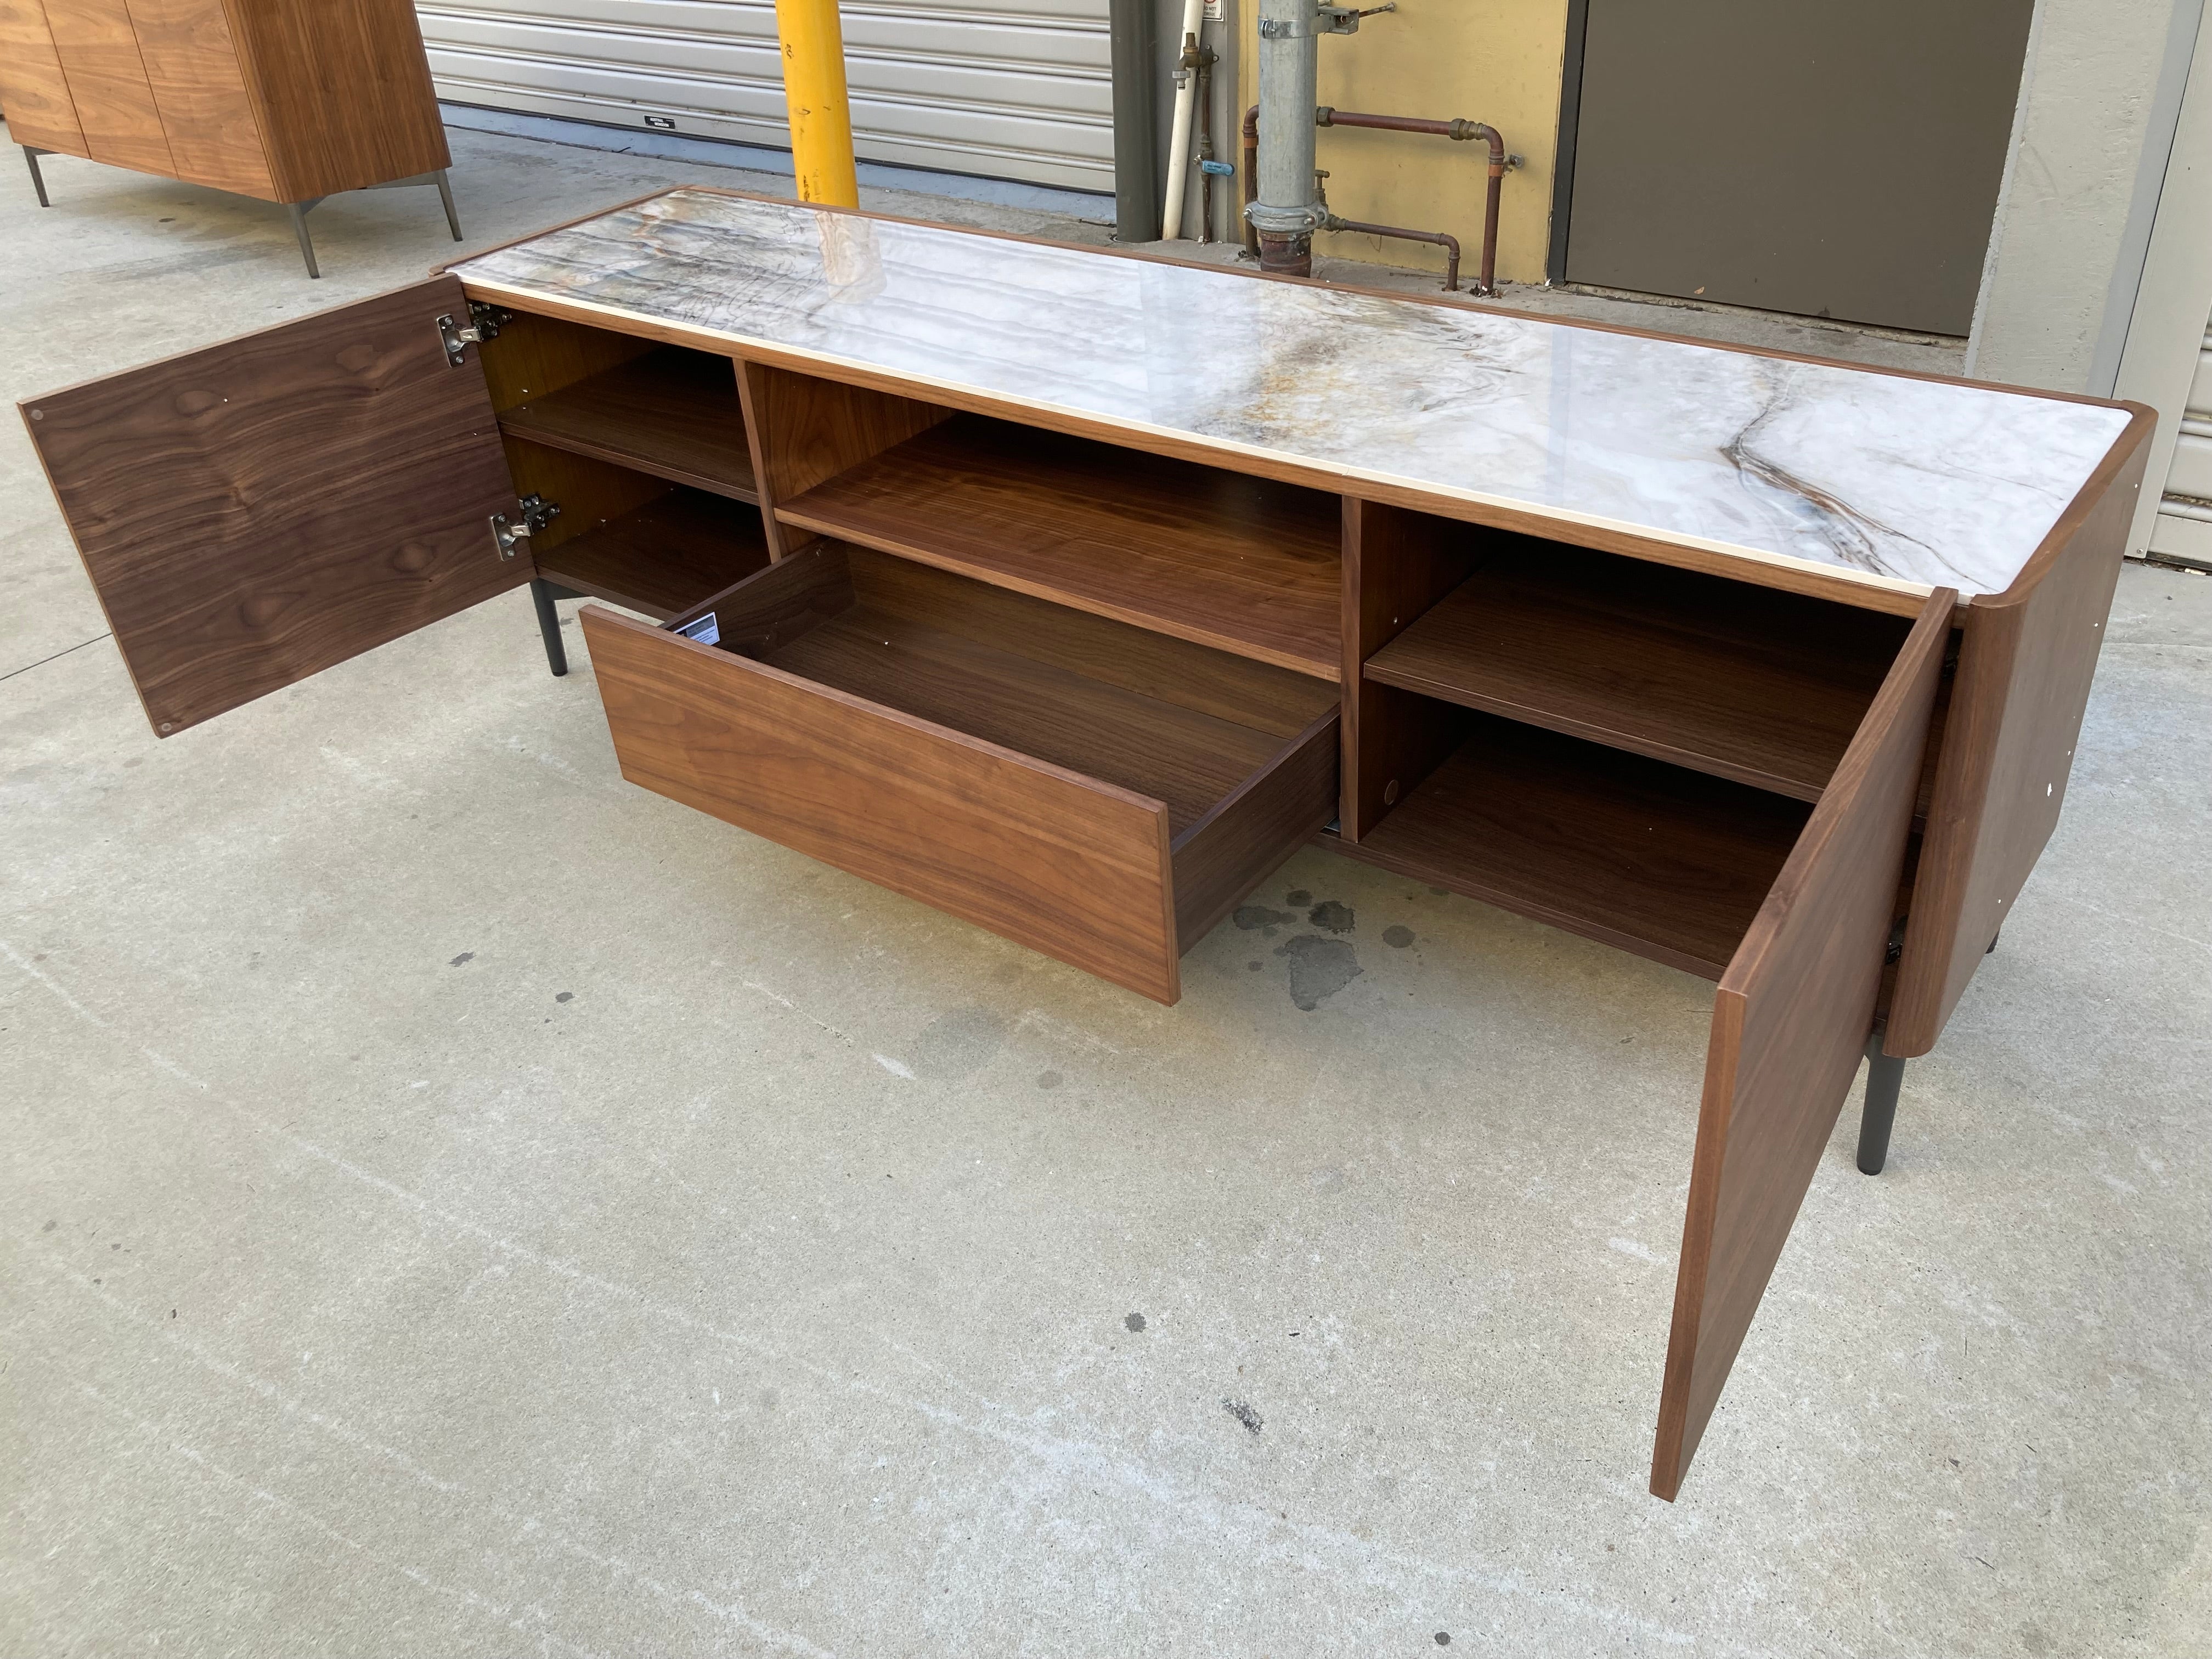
pixel 1885 1076
pixel 38 179
pixel 549 624
pixel 299 212
pixel 446 195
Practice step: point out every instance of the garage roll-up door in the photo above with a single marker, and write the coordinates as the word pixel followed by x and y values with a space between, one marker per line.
pixel 1006 89
pixel 2184 528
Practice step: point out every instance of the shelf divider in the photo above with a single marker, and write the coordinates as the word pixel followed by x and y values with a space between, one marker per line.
pixel 1652 859
pixel 1748 684
pixel 672 413
pixel 1243 564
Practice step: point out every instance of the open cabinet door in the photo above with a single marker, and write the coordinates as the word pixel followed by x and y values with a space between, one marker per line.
pixel 254 512
pixel 1790 1022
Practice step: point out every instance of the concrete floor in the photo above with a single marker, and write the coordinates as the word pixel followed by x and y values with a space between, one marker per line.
pixel 454 1202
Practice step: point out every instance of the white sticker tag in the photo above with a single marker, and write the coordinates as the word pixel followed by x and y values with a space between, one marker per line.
pixel 705 630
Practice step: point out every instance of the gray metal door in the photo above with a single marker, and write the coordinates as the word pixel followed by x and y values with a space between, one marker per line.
pixel 1834 158
pixel 1006 89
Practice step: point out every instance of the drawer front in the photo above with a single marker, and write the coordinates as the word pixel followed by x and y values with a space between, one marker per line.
pixel 1077 869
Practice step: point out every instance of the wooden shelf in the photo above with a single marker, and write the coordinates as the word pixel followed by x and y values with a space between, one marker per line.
pixel 1668 863
pixel 1242 564
pixel 1045 693
pixel 1745 683
pixel 664 558
pixel 672 413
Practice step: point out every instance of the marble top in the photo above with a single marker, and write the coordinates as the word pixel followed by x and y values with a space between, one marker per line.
pixel 1897 482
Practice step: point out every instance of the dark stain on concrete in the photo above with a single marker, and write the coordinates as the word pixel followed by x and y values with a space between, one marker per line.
pixel 1253 966
pixel 1320 967
pixel 564 996
pixel 1250 916
pixel 1135 1322
pixel 466 955
pixel 1397 937
pixel 956 1042
pixel 50 1226
pixel 1331 917
pixel 1297 896
pixel 1048 1079
pixel 1243 1414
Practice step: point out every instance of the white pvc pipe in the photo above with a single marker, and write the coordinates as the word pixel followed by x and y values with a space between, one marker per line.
pixel 1194 20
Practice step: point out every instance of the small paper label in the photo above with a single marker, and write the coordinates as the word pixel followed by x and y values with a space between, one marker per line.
pixel 704 629
pixel 665 123
pixel 1216 9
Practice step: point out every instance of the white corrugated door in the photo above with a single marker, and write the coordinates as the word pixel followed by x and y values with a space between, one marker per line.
pixel 1006 89
pixel 2184 527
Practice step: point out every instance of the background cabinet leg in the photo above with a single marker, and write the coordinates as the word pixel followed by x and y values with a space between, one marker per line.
pixel 446 195
pixel 299 212
pixel 38 179
pixel 1885 1076
pixel 549 624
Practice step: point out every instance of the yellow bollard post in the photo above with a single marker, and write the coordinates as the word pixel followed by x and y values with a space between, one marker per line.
pixel 814 95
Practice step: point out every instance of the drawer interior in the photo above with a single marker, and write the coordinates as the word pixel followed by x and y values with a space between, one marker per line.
pixel 1177 722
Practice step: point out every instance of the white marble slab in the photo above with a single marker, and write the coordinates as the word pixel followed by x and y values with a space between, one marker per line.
pixel 1897 482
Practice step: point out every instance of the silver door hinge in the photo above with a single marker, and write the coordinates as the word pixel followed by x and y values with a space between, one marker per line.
pixel 531 514
pixel 484 323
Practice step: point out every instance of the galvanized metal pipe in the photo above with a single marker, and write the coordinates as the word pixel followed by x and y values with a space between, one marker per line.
pixel 1284 213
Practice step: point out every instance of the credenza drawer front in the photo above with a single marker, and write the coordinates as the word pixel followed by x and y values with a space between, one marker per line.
pixel 1044 856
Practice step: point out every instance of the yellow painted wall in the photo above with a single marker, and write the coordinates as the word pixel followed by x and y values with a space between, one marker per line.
pixel 1482 60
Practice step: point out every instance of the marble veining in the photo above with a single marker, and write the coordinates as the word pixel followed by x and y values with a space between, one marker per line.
pixel 1887 480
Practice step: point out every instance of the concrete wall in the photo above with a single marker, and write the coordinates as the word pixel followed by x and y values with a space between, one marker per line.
pixel 2091 139
pixel 1486 60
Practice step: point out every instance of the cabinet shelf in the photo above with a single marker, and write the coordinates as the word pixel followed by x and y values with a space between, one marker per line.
pixel 672 413
pixel 1665 862
pixel 662 558
pixel 1239 563
pixel 1748 683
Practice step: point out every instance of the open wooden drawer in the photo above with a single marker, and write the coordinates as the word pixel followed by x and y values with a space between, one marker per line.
pixel 1094 791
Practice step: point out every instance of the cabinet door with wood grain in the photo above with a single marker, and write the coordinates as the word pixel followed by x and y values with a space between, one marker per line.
pixel 33 89
pixel 1791 1018
pixel 99 52
pixel 192 66
pixel 253 513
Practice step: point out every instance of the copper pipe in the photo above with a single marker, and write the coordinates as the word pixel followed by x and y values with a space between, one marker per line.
pixel 1442 238
pixel 1251 171
pixel 1459 131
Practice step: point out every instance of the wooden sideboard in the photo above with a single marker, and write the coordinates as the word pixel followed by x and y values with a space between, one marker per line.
pixel 1071 592
pixel 284 101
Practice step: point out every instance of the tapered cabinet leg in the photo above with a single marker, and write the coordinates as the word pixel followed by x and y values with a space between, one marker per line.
pixel 1884 1076
pixel 446 195
pixel 299 212
pixel 549 624
pixel 38 179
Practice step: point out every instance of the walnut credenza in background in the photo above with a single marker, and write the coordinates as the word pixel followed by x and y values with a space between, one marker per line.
pixel 284 101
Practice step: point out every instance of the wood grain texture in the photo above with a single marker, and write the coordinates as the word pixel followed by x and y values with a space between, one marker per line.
pixel 1246 837
pixel 1742 682
pixel 1204 555
pixel 664 558
pixel 2025 663
pixel 341 91
pixel 1790 1022
pixel 805 428
pixel 107 82
pixel 1146 745
pixel 33 91
pixel 757 616
pixel 671 413
pixel 536 356
pixel 254 512
pixel 1060 863
pixel 589 493
pixel 192 65
pixel 1649 858
pixel 1396 565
